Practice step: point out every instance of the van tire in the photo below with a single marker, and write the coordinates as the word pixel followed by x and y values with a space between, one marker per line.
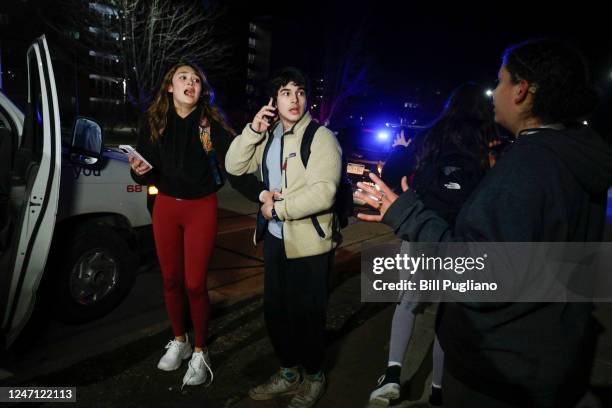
pixel 95 274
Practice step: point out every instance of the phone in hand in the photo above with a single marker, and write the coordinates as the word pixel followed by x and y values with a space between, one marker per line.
pixel 129 150
pixel 272 119
pixel 277 195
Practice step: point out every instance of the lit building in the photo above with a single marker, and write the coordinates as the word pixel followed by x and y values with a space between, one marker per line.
pixel 257 61
pixel 107 87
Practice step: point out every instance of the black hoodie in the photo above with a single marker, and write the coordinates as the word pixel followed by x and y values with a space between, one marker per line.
pixel 181 167
pixel 550 186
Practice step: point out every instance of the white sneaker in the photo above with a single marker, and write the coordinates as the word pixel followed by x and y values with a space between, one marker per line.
pixel 309 392
pixel 198 369
pixel 277 385
pixel 177 351
pixel 382 396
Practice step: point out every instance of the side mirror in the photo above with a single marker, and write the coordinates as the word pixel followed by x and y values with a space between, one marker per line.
pixel 87 142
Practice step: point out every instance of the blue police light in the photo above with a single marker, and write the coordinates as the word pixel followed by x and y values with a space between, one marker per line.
pixel 382 136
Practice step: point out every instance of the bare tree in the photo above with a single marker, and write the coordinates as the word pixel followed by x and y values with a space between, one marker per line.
pixel 157 33
pixel 140 39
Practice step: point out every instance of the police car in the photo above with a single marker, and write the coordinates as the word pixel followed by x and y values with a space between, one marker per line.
pixel 71 217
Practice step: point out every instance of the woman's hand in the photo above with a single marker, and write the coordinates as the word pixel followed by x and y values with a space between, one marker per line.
pixel 400 140
pixel 260 121
pixel 379 198
pixel 138 165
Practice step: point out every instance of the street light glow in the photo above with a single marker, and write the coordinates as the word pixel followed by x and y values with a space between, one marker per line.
pixel 489 92
pixel 383 135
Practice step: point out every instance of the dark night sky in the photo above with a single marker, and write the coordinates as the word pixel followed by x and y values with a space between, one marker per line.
pixel 410 43
pixel 432 46
pixel 425 44
pixel 422 40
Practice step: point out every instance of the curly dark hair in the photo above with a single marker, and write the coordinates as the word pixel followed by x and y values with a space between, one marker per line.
pixel 559 78
pixel 465 124
pixel 282 77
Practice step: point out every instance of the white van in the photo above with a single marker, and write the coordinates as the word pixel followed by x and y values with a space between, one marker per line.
pixel 71 217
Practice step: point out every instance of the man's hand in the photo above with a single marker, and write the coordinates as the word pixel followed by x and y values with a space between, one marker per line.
pixel 266 209
pixel 260 121
pixel 270 196
pixel 138 166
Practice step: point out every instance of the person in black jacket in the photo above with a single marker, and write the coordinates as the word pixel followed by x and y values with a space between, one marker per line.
pixel 452 158
pixel 549 186
pixel 401 161
pixel 185 137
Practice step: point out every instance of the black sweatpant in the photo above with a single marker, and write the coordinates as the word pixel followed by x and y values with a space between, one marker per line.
pixel 295 305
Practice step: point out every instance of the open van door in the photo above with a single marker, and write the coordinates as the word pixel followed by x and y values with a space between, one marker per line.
pixel 35 167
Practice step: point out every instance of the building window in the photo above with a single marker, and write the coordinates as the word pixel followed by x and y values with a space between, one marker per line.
pixel 250 73
pixel 251 58
pixel 250 89
pixel 252 27
pixel 252 42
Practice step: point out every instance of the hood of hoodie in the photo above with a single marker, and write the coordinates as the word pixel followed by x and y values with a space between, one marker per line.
pixel 586 154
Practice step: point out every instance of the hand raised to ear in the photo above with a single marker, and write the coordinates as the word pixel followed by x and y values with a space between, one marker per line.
pixel 260 121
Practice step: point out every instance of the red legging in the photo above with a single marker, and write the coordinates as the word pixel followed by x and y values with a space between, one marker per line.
pixel 185 233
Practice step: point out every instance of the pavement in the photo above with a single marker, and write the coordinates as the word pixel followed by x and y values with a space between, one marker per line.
pixel 117 352
pixel 124 374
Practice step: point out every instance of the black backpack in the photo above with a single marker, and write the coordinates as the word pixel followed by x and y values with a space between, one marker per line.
pixel 343 203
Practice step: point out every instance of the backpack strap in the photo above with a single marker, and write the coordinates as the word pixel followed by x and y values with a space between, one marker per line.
pixel 309 133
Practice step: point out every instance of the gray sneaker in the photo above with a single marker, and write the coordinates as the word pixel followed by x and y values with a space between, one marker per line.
pixel 275 386
pixel 386 391
pixel 310 391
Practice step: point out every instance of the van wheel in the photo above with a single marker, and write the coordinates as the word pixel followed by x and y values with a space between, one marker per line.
pixel 95 275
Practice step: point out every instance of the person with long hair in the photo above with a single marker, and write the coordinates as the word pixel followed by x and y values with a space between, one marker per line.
pixel 450 161
pixel 549 186
pixel 185 137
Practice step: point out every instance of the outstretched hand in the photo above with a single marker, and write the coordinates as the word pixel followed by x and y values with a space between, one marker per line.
pixel 380 197
pixel 400 140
